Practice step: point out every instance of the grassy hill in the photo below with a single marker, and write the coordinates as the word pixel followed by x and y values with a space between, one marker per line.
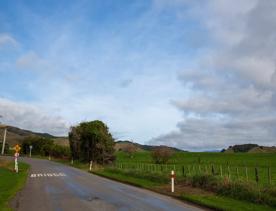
pixel 121 145
pixel 16 135
pixel 250 148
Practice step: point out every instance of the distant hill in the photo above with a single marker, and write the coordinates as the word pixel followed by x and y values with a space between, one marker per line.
pixel 263 149
pixel 250 148
pixel 16 135
pixel 120 145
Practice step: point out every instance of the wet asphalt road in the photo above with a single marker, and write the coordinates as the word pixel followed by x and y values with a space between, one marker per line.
pixel 53 186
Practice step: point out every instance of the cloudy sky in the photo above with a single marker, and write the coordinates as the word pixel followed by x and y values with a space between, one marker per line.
pixel 198 75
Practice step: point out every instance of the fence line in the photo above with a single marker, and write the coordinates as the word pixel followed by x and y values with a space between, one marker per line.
pixel 261 175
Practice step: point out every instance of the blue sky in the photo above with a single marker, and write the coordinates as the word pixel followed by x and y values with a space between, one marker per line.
pixel 154 71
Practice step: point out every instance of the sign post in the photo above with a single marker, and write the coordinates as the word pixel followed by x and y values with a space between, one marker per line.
pixel 31 147
pixel 16 155
pixel 172 180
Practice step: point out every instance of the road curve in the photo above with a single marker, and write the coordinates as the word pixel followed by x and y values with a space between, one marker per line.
pixel 53 186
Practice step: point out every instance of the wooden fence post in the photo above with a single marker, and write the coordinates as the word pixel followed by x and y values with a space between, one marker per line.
pixel 228 171
pixel 213 170
pixel 269 175
pixel 256 175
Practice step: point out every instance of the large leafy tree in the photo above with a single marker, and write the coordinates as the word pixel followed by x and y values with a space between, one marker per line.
pixel 92 141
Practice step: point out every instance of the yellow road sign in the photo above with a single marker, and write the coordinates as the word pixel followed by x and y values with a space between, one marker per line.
pixel 17 148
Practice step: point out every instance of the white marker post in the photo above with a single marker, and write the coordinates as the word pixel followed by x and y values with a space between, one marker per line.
pixel 16 155
pixel 90 166
pixel 172 180
pixel 31 147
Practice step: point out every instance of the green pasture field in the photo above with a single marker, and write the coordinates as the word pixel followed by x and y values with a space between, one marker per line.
pixel 236 166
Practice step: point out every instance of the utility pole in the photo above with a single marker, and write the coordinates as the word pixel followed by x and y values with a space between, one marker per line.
pixel 4 141
pixel 4 138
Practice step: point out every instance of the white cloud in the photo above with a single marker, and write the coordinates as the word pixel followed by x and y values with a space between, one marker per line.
pixel 6 39
pixel 31 117
pixel 209 134
pixel 31 61
pixel 233 100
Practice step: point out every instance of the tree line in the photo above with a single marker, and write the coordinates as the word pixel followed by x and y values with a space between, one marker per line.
pixel 88 141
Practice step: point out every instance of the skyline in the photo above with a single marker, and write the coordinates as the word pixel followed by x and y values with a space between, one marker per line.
pixel 197 75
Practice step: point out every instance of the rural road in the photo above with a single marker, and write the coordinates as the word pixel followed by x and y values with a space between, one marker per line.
pixel 53 186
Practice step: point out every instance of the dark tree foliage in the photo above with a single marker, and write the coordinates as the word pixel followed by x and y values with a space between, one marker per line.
pixel 41 146
pixel 161 154
pixel 243 147
pixel 6 148
pixel 44 147
pixel 91 141
pixel 60 151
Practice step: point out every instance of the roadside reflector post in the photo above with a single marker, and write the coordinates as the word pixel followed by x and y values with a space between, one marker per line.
pixel 31 147
pixel 90 165
pixel 49 158
pixel 16 155
pixel 172 180
pixel 72 161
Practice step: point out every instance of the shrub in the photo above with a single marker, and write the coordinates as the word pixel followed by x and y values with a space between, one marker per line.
pixel 130 149
pixel 161 154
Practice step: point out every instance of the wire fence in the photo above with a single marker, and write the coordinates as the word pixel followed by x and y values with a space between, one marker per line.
pixel 261 175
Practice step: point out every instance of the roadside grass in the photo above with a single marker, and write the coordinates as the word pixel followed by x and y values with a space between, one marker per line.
pixel 10 182
pixel 206 199
pixel 224 203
